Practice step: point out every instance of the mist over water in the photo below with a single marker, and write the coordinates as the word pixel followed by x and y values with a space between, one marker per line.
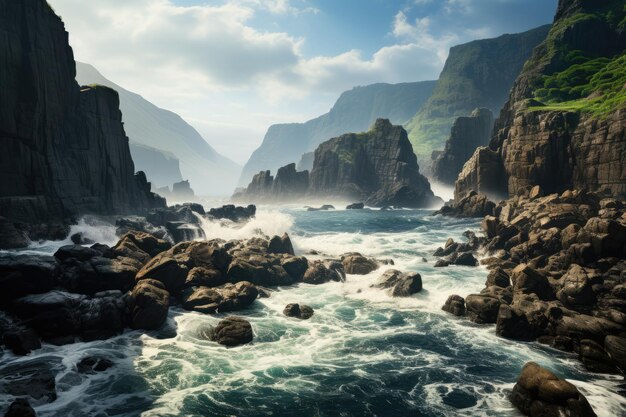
pixel 362 353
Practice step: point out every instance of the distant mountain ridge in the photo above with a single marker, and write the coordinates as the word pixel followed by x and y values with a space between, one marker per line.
pixel 354 111
pixel 162 130
pixel 478 74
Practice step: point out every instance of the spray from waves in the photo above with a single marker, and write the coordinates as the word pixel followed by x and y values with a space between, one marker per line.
pixel 96 230
pixel 444 191
pixel 268 222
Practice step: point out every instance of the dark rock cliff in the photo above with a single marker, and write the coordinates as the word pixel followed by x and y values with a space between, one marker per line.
pixel 467 134
pixel 288 185
pixel 63 150
pixel 378 167
pixel 564 125
pixel 354 111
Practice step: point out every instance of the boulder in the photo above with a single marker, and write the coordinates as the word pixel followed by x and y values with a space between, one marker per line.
pixel 455 304
pixel 295 266
pixel 355 206
pixel 201 276
pixel 540 393
pixel 21 341
pixel 21 275
pixel 357 264
pixel 595 359
pixel 577 287
pixel 80 239
pixel 92 364
pixel 20 408
pixel 281 244
pixel 317 273
pixel 232 331
pixel 615 347
pixel 98 274
pixel 482 309
pixel 233 213
pixel 466 259
pixel 399 284
pixel 230 297
pixel 30 379
pixel 149 304
pixel 498 277
pixel 300 311
pixel 77 252
pixel 527 280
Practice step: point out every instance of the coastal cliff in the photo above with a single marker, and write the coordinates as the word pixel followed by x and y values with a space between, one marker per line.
pixel 564 126
pixel 63 150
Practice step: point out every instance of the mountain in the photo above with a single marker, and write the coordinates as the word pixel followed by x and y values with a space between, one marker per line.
pixel 150 126
pixel 163 168
pixel 564 125
pixel 476 74
pixel 354 111
pixel 63 149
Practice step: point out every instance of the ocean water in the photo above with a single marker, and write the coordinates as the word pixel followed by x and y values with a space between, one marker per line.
pixel 363 353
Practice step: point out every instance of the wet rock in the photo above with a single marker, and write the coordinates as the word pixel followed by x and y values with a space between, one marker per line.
pixel 21 275
pixel 482 309
pixel 466 259
pixel 30 379
pixel 594 357
pixel 317 273
pixel 455 304
pixel 399 284
pixel 93 364
pixel 295 266
pixel 147 243
pixel 21 341
pixel 300 311
pixel 281 244
pixel 149 304
pixel 355 206
pixel 355 263
pixel 498 277
pixel 232 331
pixel 98 274
pixel 20 408
pixel 530 281
pixel 473 205
pixel 80 239
pixel 615 347
pixel 577 287
pixel 233 213
pixel 538 392
pixel 201 276
pixel 11 237
pixel 230 297
pixel 78 252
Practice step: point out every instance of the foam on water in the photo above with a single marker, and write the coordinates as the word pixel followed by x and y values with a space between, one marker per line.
pixel 362 353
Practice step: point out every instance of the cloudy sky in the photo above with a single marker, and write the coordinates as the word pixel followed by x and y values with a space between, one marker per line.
pixel 233 67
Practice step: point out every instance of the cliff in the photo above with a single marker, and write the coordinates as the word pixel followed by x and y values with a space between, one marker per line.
pixel 150 126
pixel 467 134
pixel 288 185
pixel 354 111
pixel 63 150
pixel 377 167
pixel 476 74
pixel 564 126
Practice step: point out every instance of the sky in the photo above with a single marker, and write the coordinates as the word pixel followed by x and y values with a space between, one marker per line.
pixel 232 68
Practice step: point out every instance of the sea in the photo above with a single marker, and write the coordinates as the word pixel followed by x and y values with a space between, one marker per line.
pixel 363 353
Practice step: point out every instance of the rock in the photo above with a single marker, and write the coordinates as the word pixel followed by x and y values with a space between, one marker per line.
pixel 466 259
pixel 455 304
pixel 22 275
pixel 535 192
pixel 204 277
pixel 472 205
pixel 483 173
pixel 615 347
pixel 355 206
pixel 78 252
pixel 538 392
pixel 529 281
pixel 21 341
pixel 98 274
pixel 300 311
pixel 482 309
pixel 68 155
pixel 20 408
pixel 288 185
pixel 377 167
pixel 34 380
pixel 11 237
pixel 230 297
pixel 317 273
pixel 594 357
pixel 93 364
pixel 145 242
pixel 399 284
pixel 498 277
pixel 325 207
pixel 295 266
pixel 355 263
pixel 232 331
pixel 577 287
pixel 467 134
pixel 281 244
pixel 149 305
pixel 80 239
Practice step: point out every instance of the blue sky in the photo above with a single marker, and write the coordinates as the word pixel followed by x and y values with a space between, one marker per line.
pixel 233 67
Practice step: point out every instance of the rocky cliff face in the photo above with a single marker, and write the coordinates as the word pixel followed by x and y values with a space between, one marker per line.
pixel 63 150
pixel 378 167
pixel 467 134
pixel 564 125
pixel 476 74
pixel 288 185
pixel 354 111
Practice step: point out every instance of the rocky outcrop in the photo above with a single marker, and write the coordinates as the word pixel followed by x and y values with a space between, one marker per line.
pixel 400 285
pixel 232 331
pixel 288 185
pixel 299 311
pixel 468 134
pixel 562 135
pixel 354 111
pixel 63 150
pixel 538 392
pixel 377 167
pixel 181 191
pixel 472 205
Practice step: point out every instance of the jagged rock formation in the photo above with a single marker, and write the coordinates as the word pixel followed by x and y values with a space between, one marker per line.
pixel 354 111
pixel 181 191
pixel 468 133
pixel 63 150
pixel 561 131
pixel 476 74
pixel 148 125
pixel 377 167
pixel 288 185
pixel 162 168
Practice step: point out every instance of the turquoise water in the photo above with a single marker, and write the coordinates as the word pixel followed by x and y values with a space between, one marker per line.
pixel 361 354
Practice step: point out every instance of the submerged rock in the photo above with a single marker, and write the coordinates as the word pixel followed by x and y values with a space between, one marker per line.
pixel 540 393
pixel 232 331
pixel 355 206
pixel 20 408
pixel 300 311
pixel 93 364
pixel 30 379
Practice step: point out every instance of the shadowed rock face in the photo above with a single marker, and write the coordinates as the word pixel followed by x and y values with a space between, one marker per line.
pixel 288 185
pixel 559 149
pixel 468 133
pixel 63 150
pixel 378 167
